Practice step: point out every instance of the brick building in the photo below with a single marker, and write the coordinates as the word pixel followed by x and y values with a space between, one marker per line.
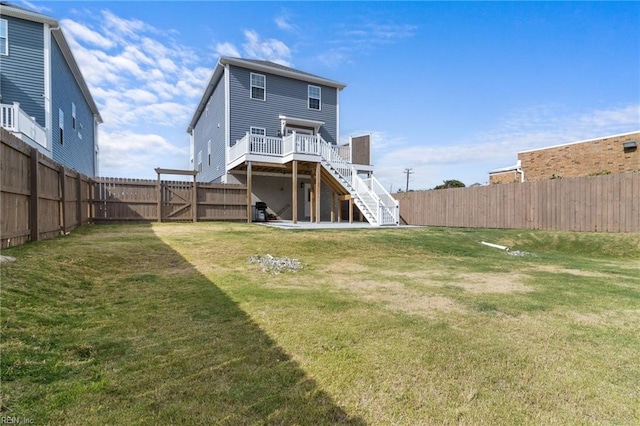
pixel 610 154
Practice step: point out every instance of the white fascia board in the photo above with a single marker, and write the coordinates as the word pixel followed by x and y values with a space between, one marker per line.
pixel 27 15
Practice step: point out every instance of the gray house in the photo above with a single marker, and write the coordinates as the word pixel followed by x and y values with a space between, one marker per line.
pixel 44 100
pixel 276 129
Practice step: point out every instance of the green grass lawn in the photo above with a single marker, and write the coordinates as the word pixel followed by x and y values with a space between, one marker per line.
pixel 170 324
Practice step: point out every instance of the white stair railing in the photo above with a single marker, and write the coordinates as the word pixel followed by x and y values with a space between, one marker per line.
pixel 372 199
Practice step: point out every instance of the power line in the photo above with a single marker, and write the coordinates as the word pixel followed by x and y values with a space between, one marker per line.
pixel 408 172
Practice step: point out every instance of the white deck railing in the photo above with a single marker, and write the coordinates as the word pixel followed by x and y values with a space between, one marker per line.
pixel 15 120
pixel 381 206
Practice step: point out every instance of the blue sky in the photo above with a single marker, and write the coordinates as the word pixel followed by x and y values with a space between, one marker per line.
pixel 451 90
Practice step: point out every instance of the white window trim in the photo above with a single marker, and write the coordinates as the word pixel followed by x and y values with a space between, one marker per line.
pixel 73 116
pixel 6 37
pixel 319 97
pixel 209 152
pixel 264 93
pixel 262 129
pixel 200 161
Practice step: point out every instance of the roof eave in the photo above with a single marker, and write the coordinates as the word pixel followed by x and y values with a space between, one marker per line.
pixel 27 15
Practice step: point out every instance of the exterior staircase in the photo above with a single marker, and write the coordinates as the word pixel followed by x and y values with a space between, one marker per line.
pixel 375 203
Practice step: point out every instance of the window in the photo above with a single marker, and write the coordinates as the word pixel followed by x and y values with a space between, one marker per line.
pixel 314 97
pixel 73 116
pixel 4 37
pixel 61 126
pixel 209 152
pixel 199 161
pixel 258 131
pixel 258 86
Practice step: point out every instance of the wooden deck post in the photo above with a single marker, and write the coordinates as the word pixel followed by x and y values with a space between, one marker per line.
pixel 34 209
pixel 294 192
pixel 249 191
pixel 312 198
pixel 333 206
pixel 350 209
pixel 317 191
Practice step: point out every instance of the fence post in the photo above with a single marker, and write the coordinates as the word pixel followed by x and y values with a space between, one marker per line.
pixel 79 198
pixel 63 198
pixel 194 201
pixel 159 185
pixel 33 196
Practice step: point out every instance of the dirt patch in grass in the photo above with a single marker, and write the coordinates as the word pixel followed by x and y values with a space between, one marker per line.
pixel 395 296
pixel 479 283
pixel 560 270
pixel 611 318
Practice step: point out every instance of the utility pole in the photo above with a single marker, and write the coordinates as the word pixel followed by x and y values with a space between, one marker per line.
pixel 408 172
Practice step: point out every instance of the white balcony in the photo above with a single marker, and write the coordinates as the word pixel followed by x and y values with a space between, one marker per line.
pixel 18 122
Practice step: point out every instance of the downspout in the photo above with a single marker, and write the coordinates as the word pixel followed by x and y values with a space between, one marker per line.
pixel 227 120
pixel 48 108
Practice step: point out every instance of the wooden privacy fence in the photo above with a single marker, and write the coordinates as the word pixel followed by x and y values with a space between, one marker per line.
pixel 609 203
pixel 40 198
pixel 149 200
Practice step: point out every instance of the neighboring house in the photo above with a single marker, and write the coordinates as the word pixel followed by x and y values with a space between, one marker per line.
pixel 44 100
pixel 606 155
pixel 276 130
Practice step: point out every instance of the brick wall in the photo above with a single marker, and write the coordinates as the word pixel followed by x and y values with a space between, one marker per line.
pixel 596 156
pixel 504 177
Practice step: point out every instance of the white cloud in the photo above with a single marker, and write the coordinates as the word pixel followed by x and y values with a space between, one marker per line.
pixel 40 9
pixel 352 38
pixel 130 154
pixel 144 82
pixel 283 23
pixel 271 49
pixel 227 49
pixel 125 27
pixel 85 34
pixel 255 47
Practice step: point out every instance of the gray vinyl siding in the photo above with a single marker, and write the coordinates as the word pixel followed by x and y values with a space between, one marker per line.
pixel 22 71
pixel 77 152
pixel 284 96
pixel 211 127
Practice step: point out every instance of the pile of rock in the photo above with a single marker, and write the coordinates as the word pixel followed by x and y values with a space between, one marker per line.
pixel 519 253
pixel 276 265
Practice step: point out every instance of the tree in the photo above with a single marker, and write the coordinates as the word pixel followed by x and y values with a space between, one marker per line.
pixel 453 183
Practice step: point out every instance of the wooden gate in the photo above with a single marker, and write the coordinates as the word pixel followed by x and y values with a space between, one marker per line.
pixel 176 201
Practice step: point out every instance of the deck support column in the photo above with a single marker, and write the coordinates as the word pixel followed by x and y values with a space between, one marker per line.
pixel 294 192
pixel 249 179
pixel 317 191
pixel 350 210
pixel 333 206
pixel 312 197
